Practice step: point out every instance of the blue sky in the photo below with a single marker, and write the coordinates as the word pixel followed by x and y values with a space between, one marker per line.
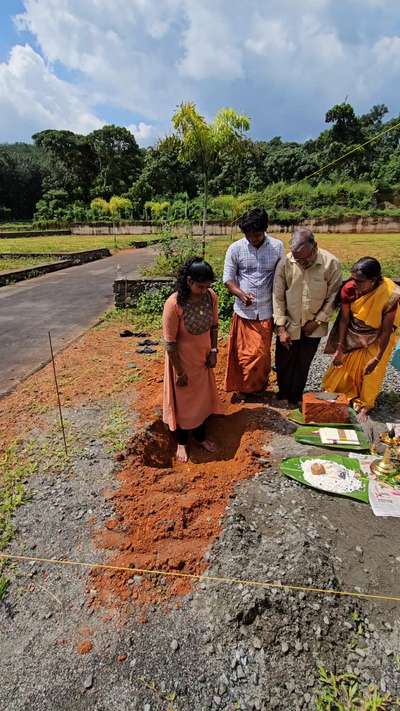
pixel 75 64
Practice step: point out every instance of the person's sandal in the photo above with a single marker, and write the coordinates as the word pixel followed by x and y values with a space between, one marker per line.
pixel 146 350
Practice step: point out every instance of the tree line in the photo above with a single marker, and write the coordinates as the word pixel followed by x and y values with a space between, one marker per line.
pixel 66 176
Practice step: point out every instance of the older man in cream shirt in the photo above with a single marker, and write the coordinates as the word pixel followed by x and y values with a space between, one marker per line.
pixel 306 283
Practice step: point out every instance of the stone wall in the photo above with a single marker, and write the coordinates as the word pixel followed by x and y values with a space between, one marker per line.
pixel 358 225
pixel 21 274
pixel 349 225
pixel 89 255
pixel 66 261
pixel 126 291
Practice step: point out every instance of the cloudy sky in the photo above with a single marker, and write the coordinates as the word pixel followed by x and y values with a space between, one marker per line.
pixel 78 64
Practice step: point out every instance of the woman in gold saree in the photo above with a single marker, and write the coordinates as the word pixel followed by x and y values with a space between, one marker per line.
pixel 363 336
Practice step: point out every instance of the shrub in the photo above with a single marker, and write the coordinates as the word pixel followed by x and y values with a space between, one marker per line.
pixel 151 302
pixel 120 206
pixel 157 210
pixel 225 300
pixel 172 253
pixel 100 207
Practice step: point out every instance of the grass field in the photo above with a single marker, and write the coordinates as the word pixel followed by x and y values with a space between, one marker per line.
pixel 7 264
pixel 347 247
pixel 69 243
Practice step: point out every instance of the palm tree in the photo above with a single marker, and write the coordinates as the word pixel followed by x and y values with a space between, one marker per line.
pixel 202 141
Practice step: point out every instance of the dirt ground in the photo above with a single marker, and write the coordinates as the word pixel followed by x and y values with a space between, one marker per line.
pixel 76 638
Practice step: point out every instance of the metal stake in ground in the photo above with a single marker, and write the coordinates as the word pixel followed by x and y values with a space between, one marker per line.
pixel 58 395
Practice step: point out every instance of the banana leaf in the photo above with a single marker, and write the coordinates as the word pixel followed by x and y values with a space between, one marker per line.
pixel 292 468
pixel 297 417
pixel 310 435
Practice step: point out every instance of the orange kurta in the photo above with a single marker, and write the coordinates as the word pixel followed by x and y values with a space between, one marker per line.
pixel 249 355
pixel 188 406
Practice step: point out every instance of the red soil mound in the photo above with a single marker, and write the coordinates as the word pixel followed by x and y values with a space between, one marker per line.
pixel 167 514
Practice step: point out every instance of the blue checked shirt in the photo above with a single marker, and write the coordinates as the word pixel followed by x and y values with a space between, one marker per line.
pixel 253 271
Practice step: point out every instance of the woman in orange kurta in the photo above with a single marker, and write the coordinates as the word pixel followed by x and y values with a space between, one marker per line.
pixel 190 329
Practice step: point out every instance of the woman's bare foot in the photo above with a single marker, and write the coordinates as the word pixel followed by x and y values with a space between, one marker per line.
pixel 208 445
pixel 181 453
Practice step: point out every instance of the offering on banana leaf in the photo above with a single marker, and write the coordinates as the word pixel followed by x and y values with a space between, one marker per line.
pixel 330 476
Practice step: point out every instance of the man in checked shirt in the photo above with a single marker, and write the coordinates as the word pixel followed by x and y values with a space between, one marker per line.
pixel 249 274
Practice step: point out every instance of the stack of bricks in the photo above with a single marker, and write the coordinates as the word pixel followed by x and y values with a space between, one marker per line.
pixel 318 410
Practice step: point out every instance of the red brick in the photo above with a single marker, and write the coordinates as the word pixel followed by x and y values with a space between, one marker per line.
pixel 316 410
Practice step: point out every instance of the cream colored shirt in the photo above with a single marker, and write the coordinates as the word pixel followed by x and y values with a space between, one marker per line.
pixel 301 295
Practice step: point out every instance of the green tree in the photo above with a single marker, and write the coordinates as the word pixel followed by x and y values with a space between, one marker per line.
pixel 346 125
pixel 201 142
pixel 72 162
pixel 23 168
pixel 118 160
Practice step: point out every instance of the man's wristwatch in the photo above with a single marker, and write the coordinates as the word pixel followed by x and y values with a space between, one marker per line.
pixel 214 350
pixel 319 323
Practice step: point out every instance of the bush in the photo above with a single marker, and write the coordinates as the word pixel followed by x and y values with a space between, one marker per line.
pixel 151 302
pixel 225 300
pixel 120 206
pixel 157 210
pixel 172 253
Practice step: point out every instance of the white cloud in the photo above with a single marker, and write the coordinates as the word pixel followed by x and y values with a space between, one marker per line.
pixel 143 132
pixel 146 57
pixel 31 95
pixel 269 36
pixel 387 52
pixel 211 50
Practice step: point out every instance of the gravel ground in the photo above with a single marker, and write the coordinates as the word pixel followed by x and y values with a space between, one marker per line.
pixel 226 646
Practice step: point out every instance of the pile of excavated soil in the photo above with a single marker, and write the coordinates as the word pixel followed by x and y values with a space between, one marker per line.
pixel 167 514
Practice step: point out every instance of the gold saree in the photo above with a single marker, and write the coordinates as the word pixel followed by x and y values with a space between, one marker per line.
pixel 362 345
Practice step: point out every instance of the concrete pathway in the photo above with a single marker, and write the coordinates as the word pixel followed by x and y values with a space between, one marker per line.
pixel 66 303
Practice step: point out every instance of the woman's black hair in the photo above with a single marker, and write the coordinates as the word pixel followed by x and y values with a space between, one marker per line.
pixel 198 270
pixel 368 267
pixel 254 220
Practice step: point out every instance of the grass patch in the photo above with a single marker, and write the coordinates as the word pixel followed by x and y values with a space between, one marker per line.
pixel 4 583
pixel 15 226
pixel 70 243
pixel 7 265
pixel 14 469
pixel 131 318
pixel 342 692
pixel 116 430
pixel 347 247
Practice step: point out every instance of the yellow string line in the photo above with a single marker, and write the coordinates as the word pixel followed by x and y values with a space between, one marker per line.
pixel 203 578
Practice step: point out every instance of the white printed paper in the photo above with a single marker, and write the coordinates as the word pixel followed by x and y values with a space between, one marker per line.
pixel 384 499
pixel 332 435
